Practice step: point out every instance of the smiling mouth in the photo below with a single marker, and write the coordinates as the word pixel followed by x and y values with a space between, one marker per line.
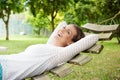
pixel 59 35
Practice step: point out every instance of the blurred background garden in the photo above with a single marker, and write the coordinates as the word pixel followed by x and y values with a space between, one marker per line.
pixel 27 22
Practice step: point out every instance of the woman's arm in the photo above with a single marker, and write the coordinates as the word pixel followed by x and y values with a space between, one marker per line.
pixel 75 48
pixel 60 25
pixel 70 51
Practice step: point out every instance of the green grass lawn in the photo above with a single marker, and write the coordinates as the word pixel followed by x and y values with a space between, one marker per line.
pixel 103 66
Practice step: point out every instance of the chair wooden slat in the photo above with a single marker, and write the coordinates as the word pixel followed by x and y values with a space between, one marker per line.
pixel 97 48
pixel 100 28
pixel 102 36
pixel 41 77
pixel 62 70
pixel 80 59
pixel 105 36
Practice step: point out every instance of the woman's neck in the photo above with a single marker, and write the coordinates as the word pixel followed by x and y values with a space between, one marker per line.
pixel 56 43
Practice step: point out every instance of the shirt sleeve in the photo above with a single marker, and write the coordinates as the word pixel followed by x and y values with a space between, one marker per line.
pixel 60 25
pixel 70 51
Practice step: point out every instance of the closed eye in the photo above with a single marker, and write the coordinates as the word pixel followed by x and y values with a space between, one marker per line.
pixel 69 31
pixel 64 27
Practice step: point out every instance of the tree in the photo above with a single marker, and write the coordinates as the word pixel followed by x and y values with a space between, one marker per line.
pixel 81 12
pixel 107 9
pixel 50 8
pixel 39 22
pixel 8 7
pixel 93 11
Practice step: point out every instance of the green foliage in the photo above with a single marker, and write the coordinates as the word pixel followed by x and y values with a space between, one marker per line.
pixel 81 11
pixel 39 22
pixel 46 12
pixel 76 11
pixel 93 11
pixel 48 7
pixel 8 6
pixel 107 9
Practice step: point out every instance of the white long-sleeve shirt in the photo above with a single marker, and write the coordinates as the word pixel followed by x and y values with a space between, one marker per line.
pixel 41 57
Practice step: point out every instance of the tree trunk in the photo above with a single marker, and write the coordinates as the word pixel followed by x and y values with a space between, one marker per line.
pixel 6 26
pixel 6 21
pixel 53 15
pixel 52 21
pixel 7 30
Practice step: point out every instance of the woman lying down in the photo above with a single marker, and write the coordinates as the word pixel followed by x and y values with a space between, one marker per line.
pixel 64 43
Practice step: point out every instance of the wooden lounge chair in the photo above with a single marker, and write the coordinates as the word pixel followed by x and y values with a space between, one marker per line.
pixel 80 59
pixel 105 32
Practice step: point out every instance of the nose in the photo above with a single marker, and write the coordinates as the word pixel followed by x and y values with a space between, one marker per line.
pixel 63 30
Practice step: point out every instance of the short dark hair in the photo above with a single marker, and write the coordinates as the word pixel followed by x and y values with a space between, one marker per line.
pixel 79 31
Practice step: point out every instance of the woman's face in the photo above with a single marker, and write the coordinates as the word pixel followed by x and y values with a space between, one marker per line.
pixel 65 35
